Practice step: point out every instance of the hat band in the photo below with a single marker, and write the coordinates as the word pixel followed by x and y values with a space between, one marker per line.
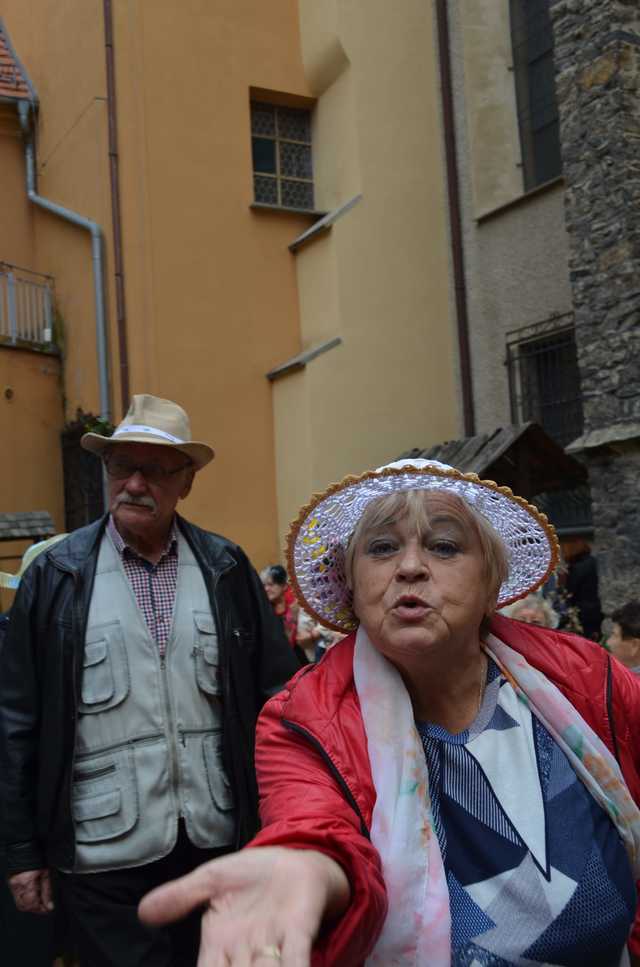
pixel 151 430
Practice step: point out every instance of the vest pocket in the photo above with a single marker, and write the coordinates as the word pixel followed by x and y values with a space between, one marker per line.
pixel 104 802
pixel 105 669
pixel 218 782
pixel 205 652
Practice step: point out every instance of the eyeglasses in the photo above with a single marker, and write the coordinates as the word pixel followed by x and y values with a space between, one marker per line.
pixel 119 468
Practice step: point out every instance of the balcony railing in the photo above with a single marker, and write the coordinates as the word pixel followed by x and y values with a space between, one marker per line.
pixel 26 306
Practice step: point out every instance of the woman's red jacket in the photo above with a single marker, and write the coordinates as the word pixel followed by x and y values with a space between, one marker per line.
pixel 315 782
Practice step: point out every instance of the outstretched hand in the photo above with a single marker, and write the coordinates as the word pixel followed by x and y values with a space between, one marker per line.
pixel 264 905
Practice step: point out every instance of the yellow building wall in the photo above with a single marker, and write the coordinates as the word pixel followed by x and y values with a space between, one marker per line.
pixel 61 45
pixel 210 285
pixel 380 278
pixel 31 419
pixel 31 412
pixel 16 226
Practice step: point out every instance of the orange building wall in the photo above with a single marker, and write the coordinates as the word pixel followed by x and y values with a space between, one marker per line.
pixel 31 413
pixel 210 285
pixel 31 419
pixel 211 288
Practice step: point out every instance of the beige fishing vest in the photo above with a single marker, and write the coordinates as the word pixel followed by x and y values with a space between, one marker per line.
pixel 148 747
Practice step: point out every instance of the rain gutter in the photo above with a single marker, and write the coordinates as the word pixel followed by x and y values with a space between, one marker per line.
pixel 455 218
pixel 97 253
pixel 114 175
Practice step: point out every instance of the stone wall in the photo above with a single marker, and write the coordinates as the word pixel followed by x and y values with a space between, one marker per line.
pixel 614 490
pixel 597 55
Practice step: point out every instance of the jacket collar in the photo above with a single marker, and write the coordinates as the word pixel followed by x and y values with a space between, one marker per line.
pixel 210 549
pixel 73 553
pixel 303 701
pixel 557 654
pixel 559 660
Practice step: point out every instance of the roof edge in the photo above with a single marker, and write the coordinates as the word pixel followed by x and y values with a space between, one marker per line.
pixel 20 66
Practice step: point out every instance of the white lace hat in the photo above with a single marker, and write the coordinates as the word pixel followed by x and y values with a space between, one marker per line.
pixel 151 419
pixel 319 536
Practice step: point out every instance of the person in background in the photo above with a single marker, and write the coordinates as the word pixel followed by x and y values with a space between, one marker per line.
pixel 581 585
pixel 624 640
pixel 313 637
pixel 534 610
pixel 139 653
pixel 282 599
pixel 445 787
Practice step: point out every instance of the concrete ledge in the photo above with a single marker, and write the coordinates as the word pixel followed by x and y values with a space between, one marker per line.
pixel 324 224
pixel 522 199
pixel 258 206
pixel 296 363
pixel 607 436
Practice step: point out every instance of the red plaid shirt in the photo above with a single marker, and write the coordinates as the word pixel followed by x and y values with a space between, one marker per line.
pixel 154 585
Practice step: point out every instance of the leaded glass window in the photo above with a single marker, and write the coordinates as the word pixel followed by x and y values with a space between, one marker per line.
pixel 281 148
pixel 533 64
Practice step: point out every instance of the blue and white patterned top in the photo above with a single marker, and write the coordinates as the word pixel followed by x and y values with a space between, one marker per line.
pixel 537 873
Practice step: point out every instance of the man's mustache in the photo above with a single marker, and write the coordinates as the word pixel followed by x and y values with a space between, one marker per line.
pixel 136 501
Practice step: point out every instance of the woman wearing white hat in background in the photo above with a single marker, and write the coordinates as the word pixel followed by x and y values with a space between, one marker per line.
pixel 447 786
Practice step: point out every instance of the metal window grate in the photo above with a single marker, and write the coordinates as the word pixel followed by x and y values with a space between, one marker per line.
pixel 544 380
pixel 544 386
pixel 281 148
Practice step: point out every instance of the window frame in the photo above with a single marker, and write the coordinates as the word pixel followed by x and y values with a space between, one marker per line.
pixel 538 117
pixel 525 348
pixel 278 176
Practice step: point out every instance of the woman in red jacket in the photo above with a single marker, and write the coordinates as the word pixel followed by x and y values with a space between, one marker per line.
pixel 282 599
pixel 446 787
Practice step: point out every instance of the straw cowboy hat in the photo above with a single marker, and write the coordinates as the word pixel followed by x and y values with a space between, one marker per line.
pixel 319 537
pixel 153 420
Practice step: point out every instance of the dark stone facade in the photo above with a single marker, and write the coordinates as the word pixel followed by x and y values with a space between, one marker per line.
pixel 597 56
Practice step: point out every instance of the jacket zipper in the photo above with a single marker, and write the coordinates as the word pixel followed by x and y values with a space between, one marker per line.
pixel 174 764
pixel 77 620
pixel 333 769
pixel 612 722
pixel 225 684
pixel 98 774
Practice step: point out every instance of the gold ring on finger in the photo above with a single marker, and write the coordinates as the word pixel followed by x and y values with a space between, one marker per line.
pixel 270 951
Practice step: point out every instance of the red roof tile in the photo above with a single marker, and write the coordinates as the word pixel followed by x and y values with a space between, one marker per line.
pixel 14 82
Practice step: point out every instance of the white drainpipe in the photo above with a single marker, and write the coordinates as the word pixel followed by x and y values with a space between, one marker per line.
pixel 97 252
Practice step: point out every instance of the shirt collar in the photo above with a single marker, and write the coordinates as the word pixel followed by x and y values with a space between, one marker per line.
pixel 123 548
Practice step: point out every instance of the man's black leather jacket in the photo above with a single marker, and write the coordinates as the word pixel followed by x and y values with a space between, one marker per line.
pixel 40 679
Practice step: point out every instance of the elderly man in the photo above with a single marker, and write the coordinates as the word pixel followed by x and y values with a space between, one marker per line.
pixel 140 651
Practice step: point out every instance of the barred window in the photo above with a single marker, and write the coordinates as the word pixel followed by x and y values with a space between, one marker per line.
pixel 544 380
pixel 534 71
pixel 544 386
pixel 281 146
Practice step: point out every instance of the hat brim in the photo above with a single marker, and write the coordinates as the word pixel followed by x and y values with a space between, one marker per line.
pixel 319 536
pixel 199 453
